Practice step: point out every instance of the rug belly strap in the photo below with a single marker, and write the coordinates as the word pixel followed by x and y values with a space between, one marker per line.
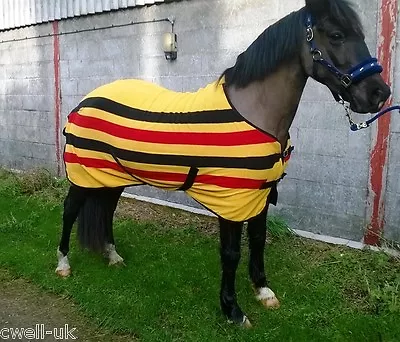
pixel 189 179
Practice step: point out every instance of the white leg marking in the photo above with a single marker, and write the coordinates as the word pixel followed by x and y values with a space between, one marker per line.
pixel 63 268
pixel 267 297
pixel 265 293
pixel 112 255
pixel 245 323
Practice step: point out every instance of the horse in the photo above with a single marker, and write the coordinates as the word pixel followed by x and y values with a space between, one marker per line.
pixel 226 145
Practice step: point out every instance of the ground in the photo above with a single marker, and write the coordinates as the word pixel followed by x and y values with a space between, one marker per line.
pixel 24 305
pixel 168 290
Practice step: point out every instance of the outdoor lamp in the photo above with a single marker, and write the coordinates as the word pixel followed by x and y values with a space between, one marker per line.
pixel 170 44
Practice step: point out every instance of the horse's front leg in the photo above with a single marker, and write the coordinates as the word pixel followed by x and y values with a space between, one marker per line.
pixel 257 232
pixel 230 236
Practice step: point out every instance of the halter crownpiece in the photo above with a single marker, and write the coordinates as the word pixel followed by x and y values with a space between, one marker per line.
pixel 356 74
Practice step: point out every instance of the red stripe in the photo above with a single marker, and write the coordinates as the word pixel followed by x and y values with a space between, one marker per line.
pixel 222 181
pixel 105 164
pixel 57 94
pixel 183 138
pixel 379 154
pixel 230 182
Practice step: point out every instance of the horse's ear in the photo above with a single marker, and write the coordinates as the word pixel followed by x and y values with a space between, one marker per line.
pixel 317 7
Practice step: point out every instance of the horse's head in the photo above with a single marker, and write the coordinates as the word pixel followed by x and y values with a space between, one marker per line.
pixel 336 55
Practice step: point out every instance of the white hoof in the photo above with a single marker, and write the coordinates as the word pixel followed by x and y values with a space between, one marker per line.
pixel 114 259
pixel 63 269
pixel 63 273
pixel 246 323
pixel 267 297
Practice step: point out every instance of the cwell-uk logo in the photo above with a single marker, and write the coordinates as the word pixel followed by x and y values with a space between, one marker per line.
pixel 39 332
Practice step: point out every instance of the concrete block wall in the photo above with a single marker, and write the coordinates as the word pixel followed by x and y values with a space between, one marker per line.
pixel 326 189
pixel 26 105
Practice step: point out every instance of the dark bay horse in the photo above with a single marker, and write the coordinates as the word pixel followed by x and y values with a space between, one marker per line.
pixel 131 132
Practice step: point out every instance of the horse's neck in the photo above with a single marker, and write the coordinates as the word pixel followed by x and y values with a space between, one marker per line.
pixel 271 104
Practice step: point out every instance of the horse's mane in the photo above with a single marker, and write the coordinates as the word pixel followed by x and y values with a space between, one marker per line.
pixel 281 41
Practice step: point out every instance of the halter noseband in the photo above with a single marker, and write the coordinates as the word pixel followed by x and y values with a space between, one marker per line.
pixel 356 74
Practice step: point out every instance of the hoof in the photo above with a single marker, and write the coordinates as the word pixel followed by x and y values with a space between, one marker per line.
pixel 114 259
pixel 116 263
pixel 267 298
pixel 271 303
pixel 63 273
pixel 246 323
pixel 63 269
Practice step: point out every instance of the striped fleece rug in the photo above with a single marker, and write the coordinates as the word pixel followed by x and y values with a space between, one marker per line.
pixel 132 132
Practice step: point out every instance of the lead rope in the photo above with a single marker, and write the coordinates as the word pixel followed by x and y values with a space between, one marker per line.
pixel 358 126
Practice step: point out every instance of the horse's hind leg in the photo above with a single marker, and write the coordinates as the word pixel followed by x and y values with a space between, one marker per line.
pixel 111 204
pixel 72 204
pixel 257 232
pixel 230 236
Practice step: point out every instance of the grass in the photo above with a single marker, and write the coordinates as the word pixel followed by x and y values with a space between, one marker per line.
pixel 169 289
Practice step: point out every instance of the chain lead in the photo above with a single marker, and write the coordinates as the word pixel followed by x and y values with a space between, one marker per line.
pixel 353 125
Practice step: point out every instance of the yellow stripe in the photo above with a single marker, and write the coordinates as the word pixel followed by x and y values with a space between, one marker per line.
pixel 151 97
pixel 95 178
pixel 103 177
pixel 233 204
pixel 257 150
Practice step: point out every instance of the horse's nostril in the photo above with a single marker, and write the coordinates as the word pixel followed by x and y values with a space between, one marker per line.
pixel 376 96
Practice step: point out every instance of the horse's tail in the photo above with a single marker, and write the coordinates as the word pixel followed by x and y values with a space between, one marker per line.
pixel 95 218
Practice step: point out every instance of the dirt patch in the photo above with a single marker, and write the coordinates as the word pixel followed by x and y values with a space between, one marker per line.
pixel 168 218
pixel 23 305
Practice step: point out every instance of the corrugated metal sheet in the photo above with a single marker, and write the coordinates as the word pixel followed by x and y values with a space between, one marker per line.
pixel 18 13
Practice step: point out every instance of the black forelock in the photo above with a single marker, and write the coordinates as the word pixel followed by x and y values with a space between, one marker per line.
pixel 344 15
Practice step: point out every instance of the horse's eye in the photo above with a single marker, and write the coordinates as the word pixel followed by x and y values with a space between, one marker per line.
pixel 336 36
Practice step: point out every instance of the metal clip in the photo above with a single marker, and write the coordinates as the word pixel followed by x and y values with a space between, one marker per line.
pixel 353 126
pixel 356 127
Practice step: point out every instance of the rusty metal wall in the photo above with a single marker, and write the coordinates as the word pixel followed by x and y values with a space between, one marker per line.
pixel 19 13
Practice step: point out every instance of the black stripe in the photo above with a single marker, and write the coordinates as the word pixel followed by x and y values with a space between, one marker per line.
pixel 212 116
pixel 251 163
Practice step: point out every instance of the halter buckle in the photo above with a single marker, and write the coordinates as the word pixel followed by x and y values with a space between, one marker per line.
pixel 346 81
